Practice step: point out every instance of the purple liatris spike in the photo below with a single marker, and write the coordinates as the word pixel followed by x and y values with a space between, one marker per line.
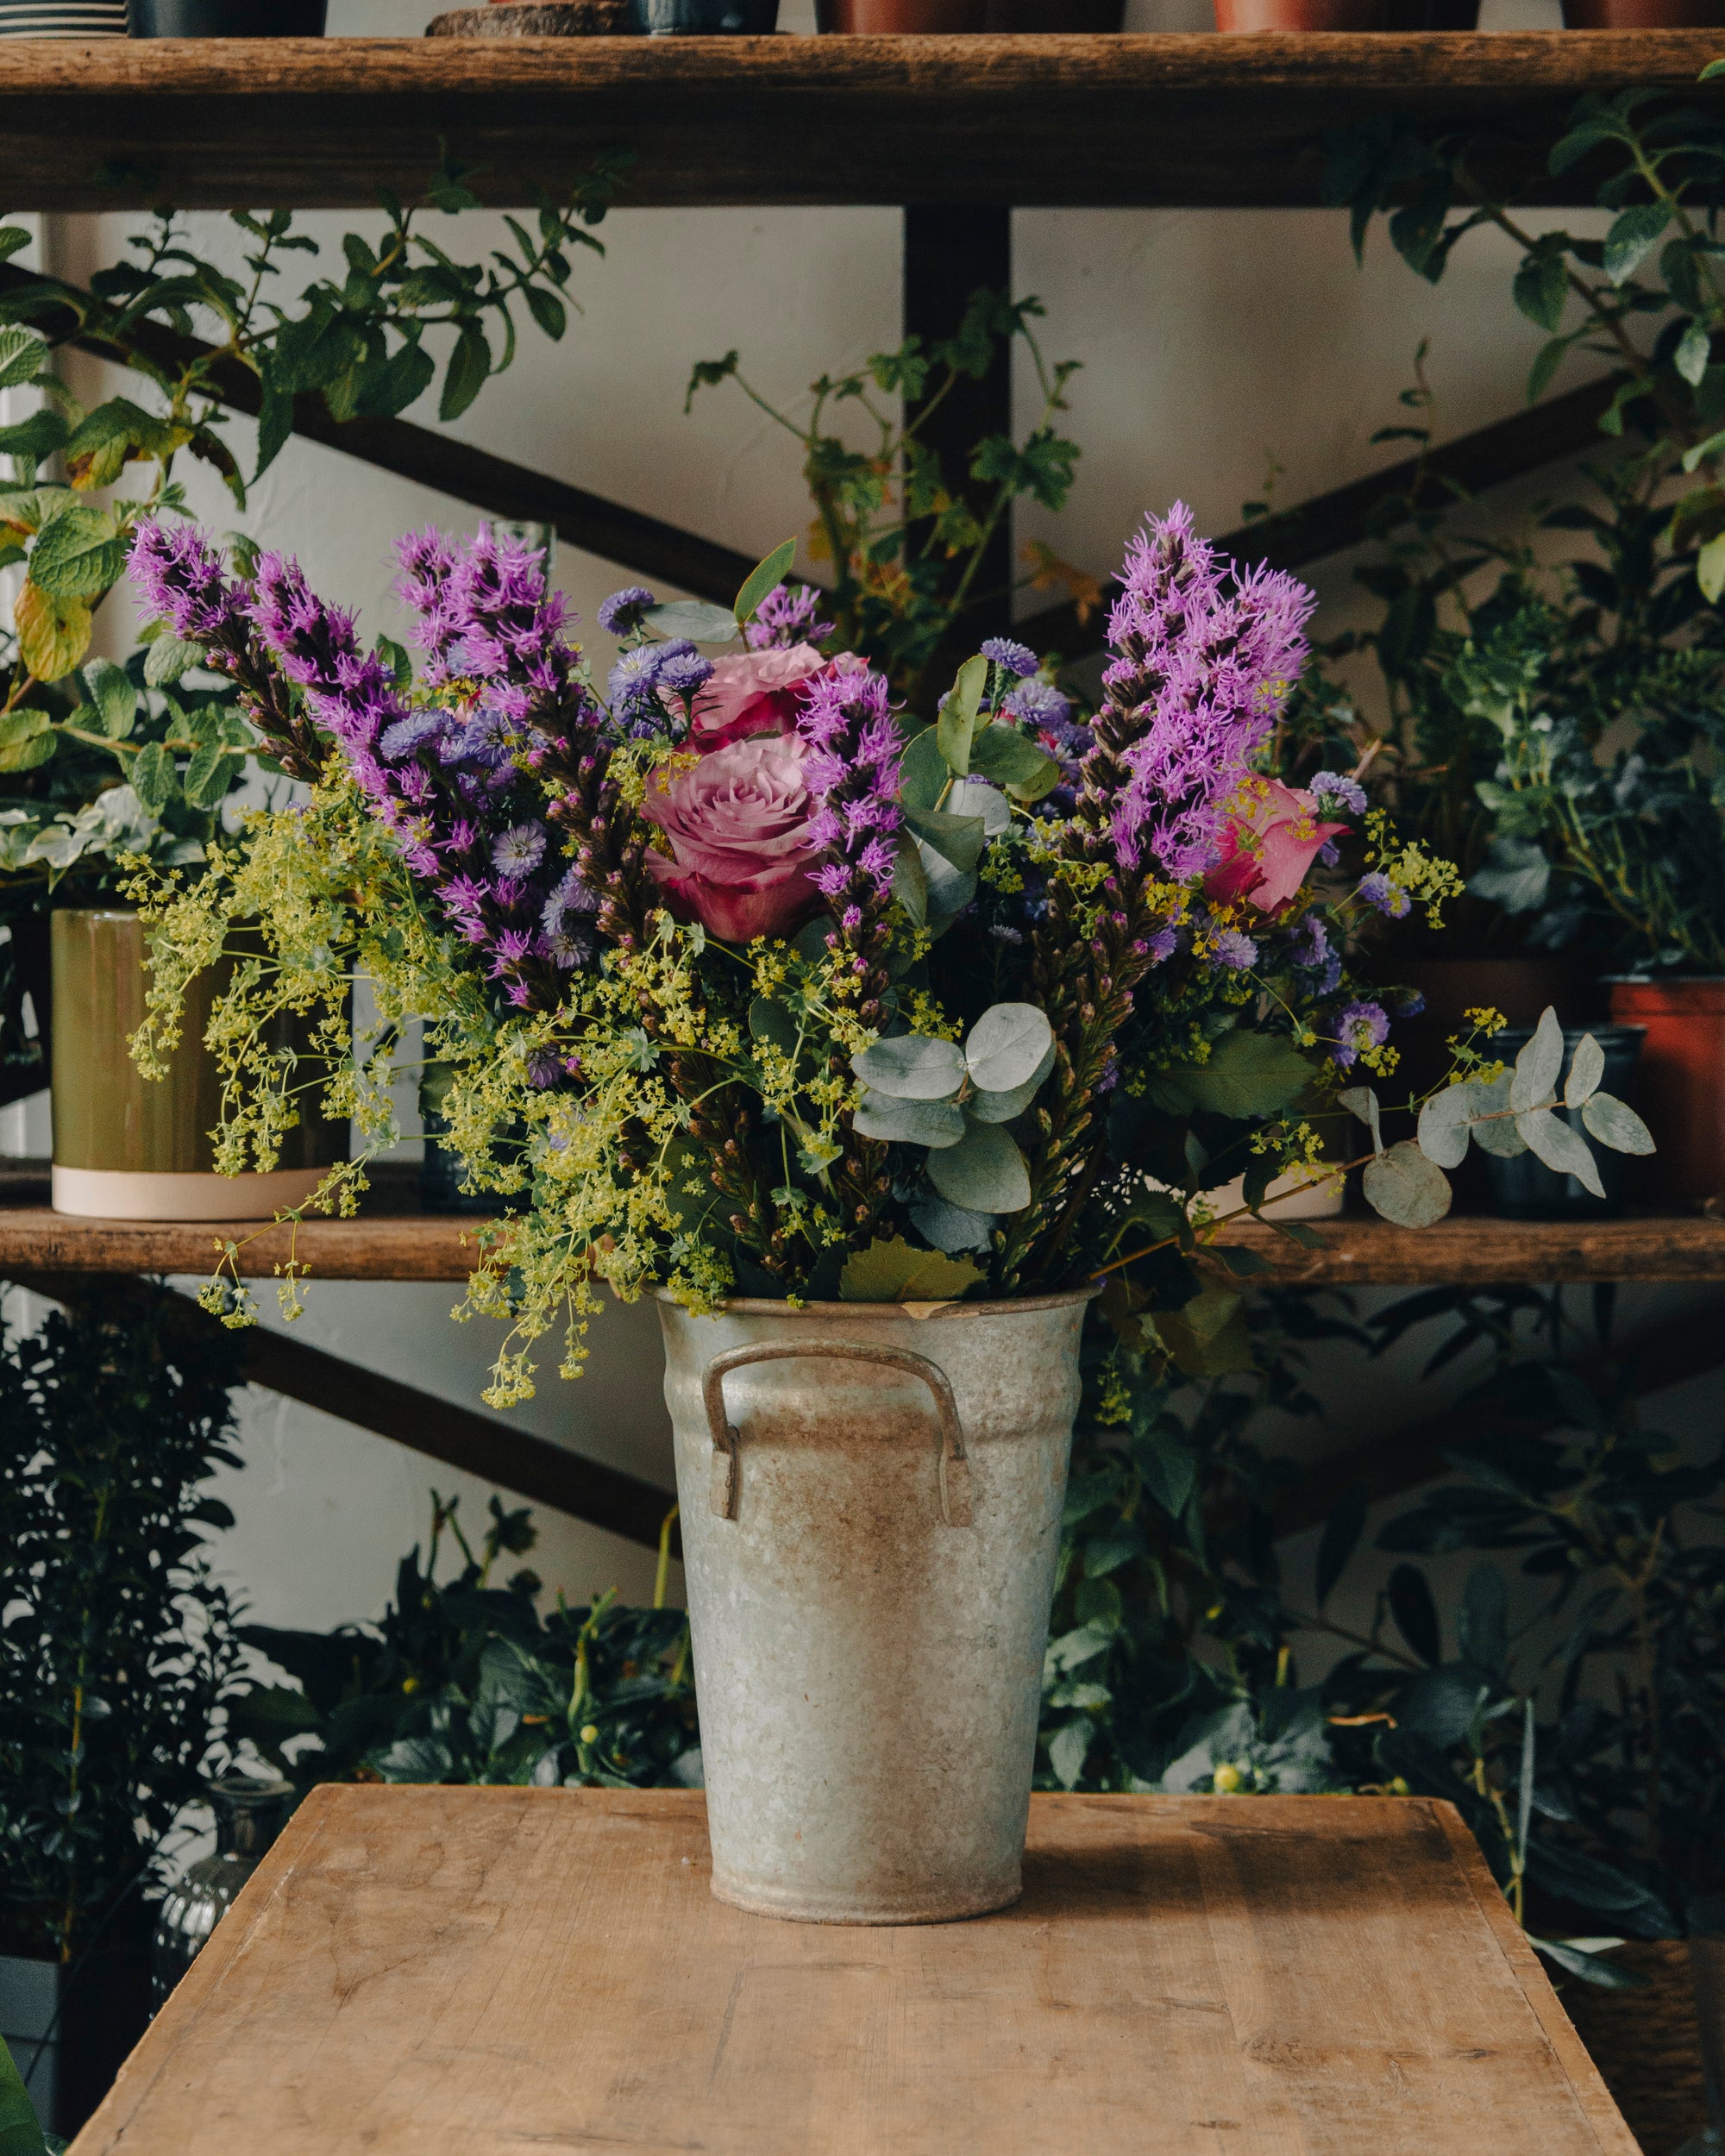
pixel 788 615
pixel 1204 655
pixel 851 770
pixel 180 577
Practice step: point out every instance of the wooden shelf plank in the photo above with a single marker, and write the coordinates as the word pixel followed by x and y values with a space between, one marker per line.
pixel 392 1240
pixel 1159 119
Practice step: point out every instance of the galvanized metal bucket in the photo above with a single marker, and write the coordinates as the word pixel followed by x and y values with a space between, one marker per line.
pixel 870 1504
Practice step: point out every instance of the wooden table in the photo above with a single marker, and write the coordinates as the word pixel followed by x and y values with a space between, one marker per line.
pixel 421 1971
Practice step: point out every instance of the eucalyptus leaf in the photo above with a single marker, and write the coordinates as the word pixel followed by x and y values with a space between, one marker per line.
pixel 931 1123
pixel 1248 1074
pixel 912 1066
pixel 1004 755
pixel 952 1228
pixel 1535 1081
pixel 1587 1068
pixel 1001 1108
pixel 923 775
pixel 1406 1187
pixel 985 1172
pixel 1444 1126
pixel 770 1022
pixel 1613 1123
pixel 1565 1151
pixel 1493 1129
pixel 958 838
pixel 1362 1102
pixel 970 798
pixel 1011 1044
pixel 695 619
pixel 949 889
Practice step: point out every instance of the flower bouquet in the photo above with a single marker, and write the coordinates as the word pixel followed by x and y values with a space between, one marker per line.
pixel 869 1043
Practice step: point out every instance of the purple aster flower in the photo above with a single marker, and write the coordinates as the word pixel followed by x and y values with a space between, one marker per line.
pixel 1308 941
pixel 567 948
pixel 1234 949
pixel 518 851
pixel 1346 793
pixel 1163 946
pixel 684 672
pixel 1014 658
pixel 1037 703
pixel 1361 1026
pixel 405 735
pixel 788 615
pixel 544 1068
pixel 1377 890
pixel 1409 1003
pixel 621 614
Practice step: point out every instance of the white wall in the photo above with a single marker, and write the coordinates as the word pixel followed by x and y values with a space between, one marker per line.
pixel 1212 343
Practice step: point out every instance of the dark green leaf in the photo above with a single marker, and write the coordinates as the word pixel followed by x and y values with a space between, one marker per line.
pixel 1415 1613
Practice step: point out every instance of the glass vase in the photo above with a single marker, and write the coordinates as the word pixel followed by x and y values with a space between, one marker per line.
pixel 249 1815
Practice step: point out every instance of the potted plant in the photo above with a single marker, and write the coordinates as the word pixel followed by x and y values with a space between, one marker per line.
pixel 116 1654
pixel 857 1040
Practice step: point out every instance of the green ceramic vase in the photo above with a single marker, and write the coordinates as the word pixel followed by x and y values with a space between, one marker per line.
pixel 127 1148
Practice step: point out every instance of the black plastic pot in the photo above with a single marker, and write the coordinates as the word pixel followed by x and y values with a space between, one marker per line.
pixel 228 18
pixel 1525 1188
pixel 707 18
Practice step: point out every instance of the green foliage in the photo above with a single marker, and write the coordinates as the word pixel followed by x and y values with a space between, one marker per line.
pixel 1559 734
pixel 1583 1741
pixel 905 537
pixel 363 343
pixel 116 1648
pixel 20 2132
pixel 464 1681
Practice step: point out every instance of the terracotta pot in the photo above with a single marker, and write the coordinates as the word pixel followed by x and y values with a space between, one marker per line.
pixel 126 1148
pixel 1683 1080
pixel 1643 15
pixel 900 18
pixel 1347 14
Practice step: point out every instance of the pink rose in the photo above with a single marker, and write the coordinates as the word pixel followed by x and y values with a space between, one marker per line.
pixel 1269 846
pixel 751 692
pixel 739 823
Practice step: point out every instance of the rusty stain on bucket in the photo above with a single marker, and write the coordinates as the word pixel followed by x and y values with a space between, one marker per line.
pixel 871 1512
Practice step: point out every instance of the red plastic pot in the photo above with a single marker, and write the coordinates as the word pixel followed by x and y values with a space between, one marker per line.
pixel 1682 1080
pixel 1644 14
pixel 1347 14
pixel 900 18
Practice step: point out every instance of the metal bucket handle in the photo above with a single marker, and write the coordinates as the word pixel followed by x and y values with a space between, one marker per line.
pixel 955 1467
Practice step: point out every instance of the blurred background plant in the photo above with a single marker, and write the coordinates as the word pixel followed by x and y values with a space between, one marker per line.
pixel 1556 726
pixel 904 536
pixel 100 760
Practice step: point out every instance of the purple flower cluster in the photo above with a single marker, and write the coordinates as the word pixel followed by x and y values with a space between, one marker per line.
pixel 1388 897
pixel 620 614
pixel 453 782
pixel 486 618
pixel 851 769
pixel 788 615
pixel 1204 654
pixel 644 676
pixel 1333 786
pixel 1361 1026
pixel 1012 658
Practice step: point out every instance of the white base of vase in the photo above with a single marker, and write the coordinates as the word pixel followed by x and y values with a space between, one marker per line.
pixel 116 1194
pixel 1303 1194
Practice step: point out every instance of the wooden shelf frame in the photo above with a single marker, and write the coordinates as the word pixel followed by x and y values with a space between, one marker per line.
pixel 1162 121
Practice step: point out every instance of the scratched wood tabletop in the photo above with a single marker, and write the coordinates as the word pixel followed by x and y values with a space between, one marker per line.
pixel 421 1971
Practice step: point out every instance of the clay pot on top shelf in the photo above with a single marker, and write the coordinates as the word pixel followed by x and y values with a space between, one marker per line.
pixel 1682 1079
pixel 1644 14
pixel 900 18
pixel 1236 15
pixel 228 18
